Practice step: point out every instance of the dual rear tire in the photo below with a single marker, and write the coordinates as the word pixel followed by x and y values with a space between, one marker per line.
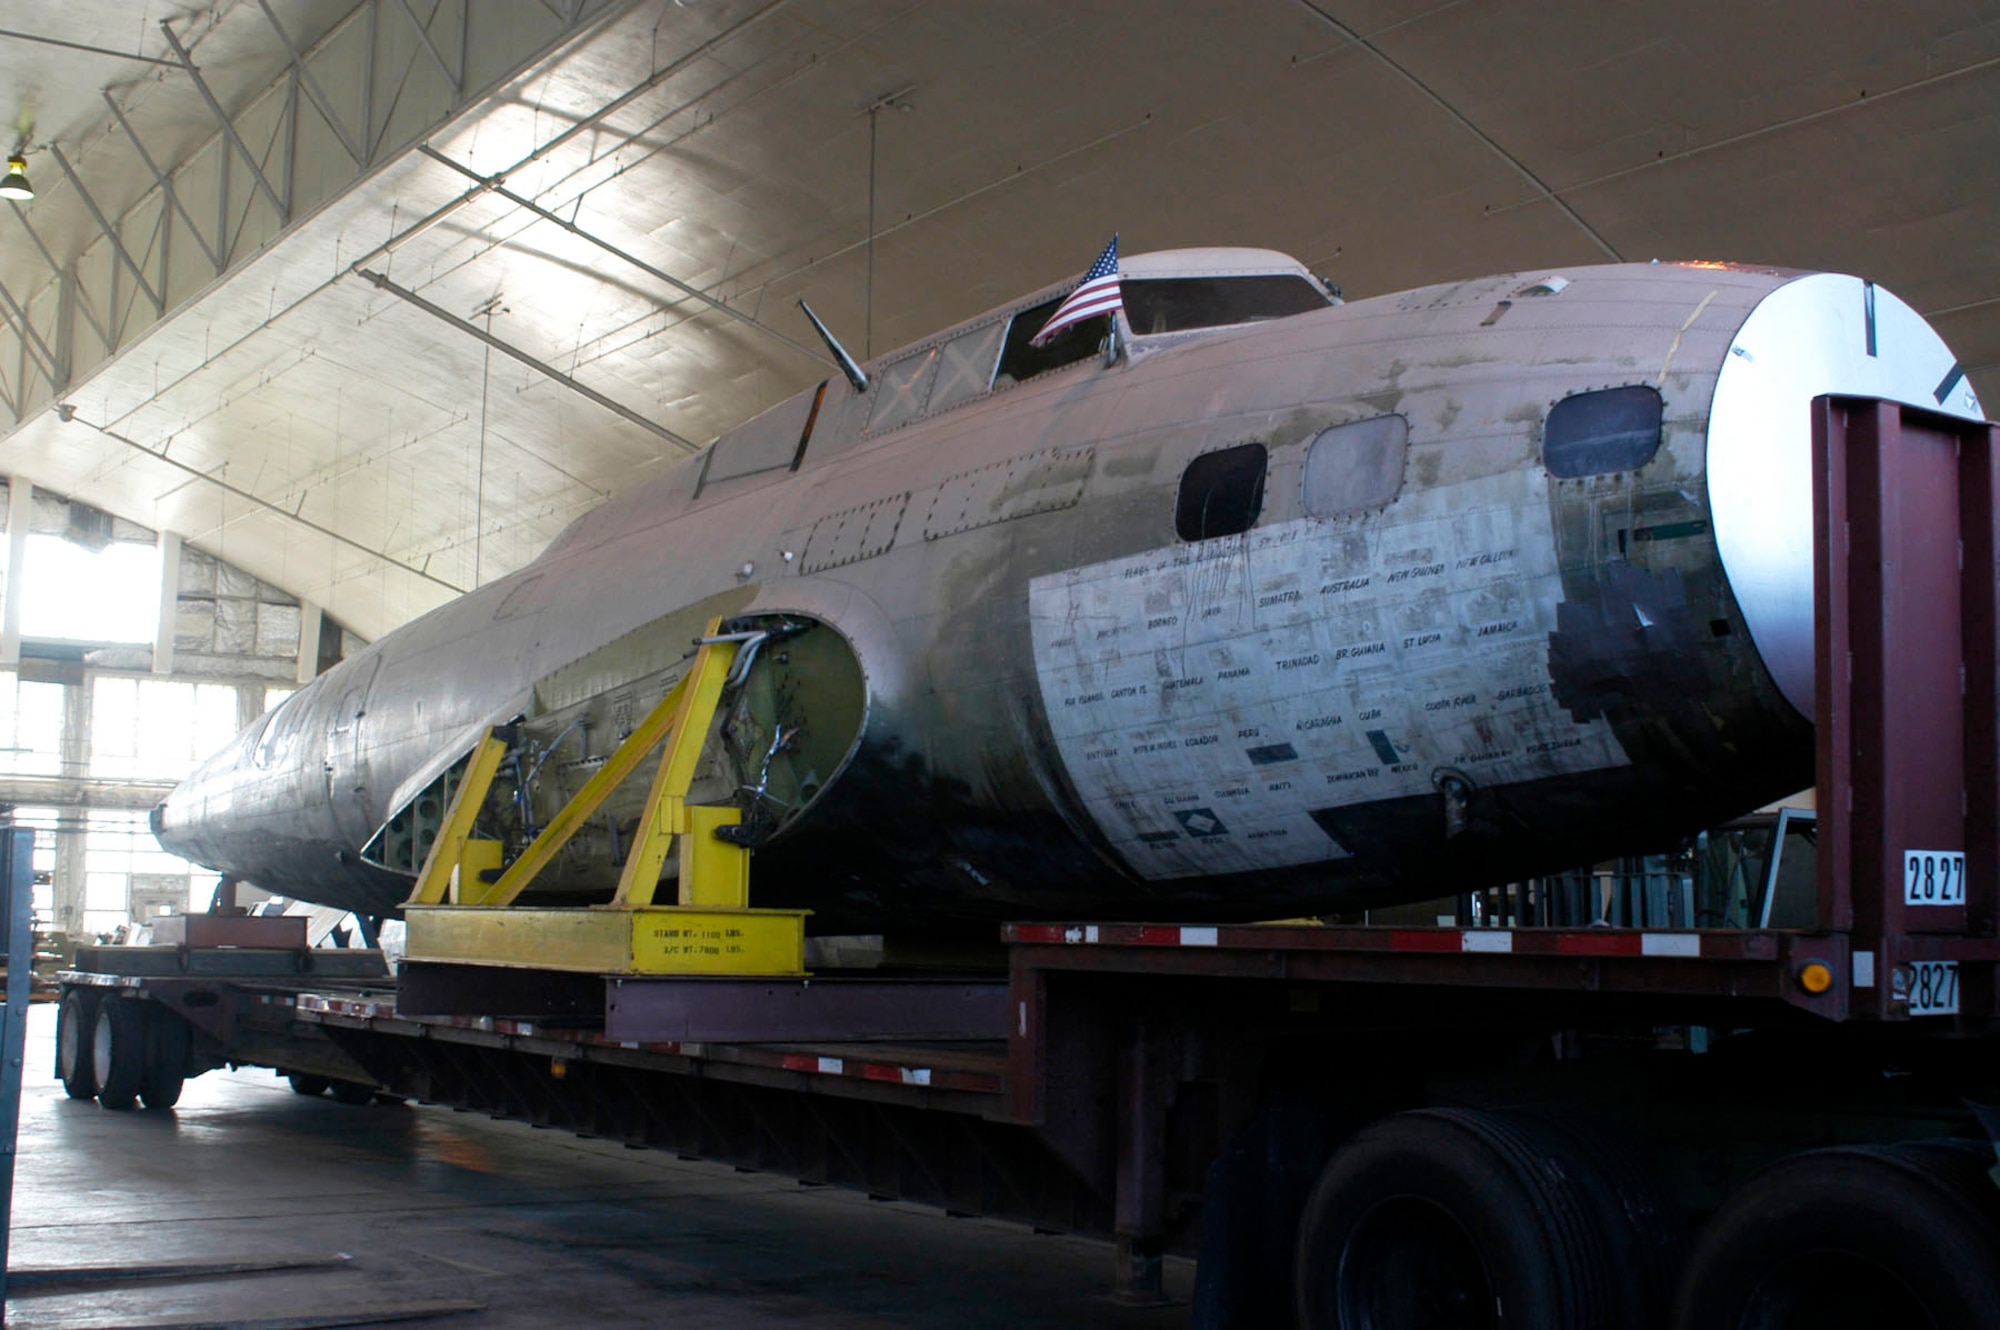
pixel 1457 1219
pixel 1454 1219
pixel 1857 1236
pixel 76 1019
pixel 121 1051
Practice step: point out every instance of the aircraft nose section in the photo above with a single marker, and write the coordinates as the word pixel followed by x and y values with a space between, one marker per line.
pixel 1820 334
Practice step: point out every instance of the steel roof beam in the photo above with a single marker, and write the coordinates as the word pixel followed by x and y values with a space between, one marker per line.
pixel 62 272
pixel 506 348
pixel 110 233
pixel 81 46
pixel 165 183
pixel 319 98
pixel 49 361
pixel 457 80
pixel 228 126
pixel 485 184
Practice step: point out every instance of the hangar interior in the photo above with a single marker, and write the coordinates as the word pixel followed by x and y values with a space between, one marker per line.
pixel 351 308
pixel 317 315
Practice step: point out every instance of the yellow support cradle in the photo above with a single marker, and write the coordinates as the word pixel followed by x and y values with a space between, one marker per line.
pixel 455 916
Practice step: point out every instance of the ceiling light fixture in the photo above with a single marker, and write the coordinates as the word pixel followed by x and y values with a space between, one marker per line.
pixel 16 185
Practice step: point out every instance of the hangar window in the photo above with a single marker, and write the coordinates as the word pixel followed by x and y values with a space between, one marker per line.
pixel 1177 304
pixel 1020 362
pixel 1221 493
pixel 1355 466
pixel 1594 434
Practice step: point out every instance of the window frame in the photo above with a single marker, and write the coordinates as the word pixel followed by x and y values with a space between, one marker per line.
pixel 1213 459
pixel 1624 462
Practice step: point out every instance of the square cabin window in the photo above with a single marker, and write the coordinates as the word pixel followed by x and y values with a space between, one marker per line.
pixel 1221 493
pixel 1356 466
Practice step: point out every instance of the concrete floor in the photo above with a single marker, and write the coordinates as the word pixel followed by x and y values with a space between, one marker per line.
pixel 534 1228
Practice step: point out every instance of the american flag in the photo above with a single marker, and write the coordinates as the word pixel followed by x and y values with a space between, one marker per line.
pixel 1098 294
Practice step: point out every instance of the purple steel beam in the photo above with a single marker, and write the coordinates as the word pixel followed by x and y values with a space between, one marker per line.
pixel 790 1010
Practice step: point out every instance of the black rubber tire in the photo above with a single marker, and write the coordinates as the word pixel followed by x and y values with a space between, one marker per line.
pixel 307 1084
pixel 169 1041
pixel 118 1051
pixel 1644 1233
pixel 352 1092
pixel 76 1018
pixel 1462 1220
pixel 1852 1236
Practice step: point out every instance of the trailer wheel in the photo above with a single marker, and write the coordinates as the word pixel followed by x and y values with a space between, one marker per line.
pixel 1851 1236
pixel 352 1092
pixel 118 1051
pixel 1460 1220
pixel 307 1084
pixel 76 1018
pixel 169 1041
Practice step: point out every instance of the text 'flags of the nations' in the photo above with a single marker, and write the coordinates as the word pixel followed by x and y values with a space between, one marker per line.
pixel 1098 294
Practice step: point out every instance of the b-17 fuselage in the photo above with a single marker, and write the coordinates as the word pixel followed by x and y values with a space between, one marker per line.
pixel 1293 606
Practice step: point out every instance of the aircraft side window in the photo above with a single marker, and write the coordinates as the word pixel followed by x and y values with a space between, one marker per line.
pixel 1596 433
pixel 901 389
pixel 1355 466
pixel 1020 362
pixel 1221 493
pixel 965 367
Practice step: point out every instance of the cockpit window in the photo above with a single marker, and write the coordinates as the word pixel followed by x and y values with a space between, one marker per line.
pixel 1020 362
pixel 1597 433
pixel 1177 304
pixel 1221 493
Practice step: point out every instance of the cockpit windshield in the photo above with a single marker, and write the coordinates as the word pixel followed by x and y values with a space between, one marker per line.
pixel 1179 304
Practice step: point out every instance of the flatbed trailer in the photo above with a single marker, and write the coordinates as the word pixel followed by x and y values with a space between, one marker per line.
pixel 1359 1126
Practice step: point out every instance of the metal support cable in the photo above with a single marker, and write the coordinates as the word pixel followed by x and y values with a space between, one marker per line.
pixel 1465 122
pixel 494 185
pixel 277 510
pixel 228 126
pixel 110 231
pixel 506 348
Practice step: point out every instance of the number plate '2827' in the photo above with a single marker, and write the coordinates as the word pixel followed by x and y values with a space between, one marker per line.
pixel 1933 877
pixel 1933 988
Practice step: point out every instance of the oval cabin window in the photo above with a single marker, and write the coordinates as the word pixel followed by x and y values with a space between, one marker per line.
pixel 1594 434
pixel 1356 466
pixel 1221 493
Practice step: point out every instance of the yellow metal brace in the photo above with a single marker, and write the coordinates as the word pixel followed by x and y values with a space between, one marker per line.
pixel 712 929
pixel 448 850
pixel 699 691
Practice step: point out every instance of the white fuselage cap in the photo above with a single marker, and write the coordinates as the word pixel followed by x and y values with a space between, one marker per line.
pixel 1819 334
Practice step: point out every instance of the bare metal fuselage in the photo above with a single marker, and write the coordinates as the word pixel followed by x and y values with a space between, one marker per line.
pixel 1054 704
